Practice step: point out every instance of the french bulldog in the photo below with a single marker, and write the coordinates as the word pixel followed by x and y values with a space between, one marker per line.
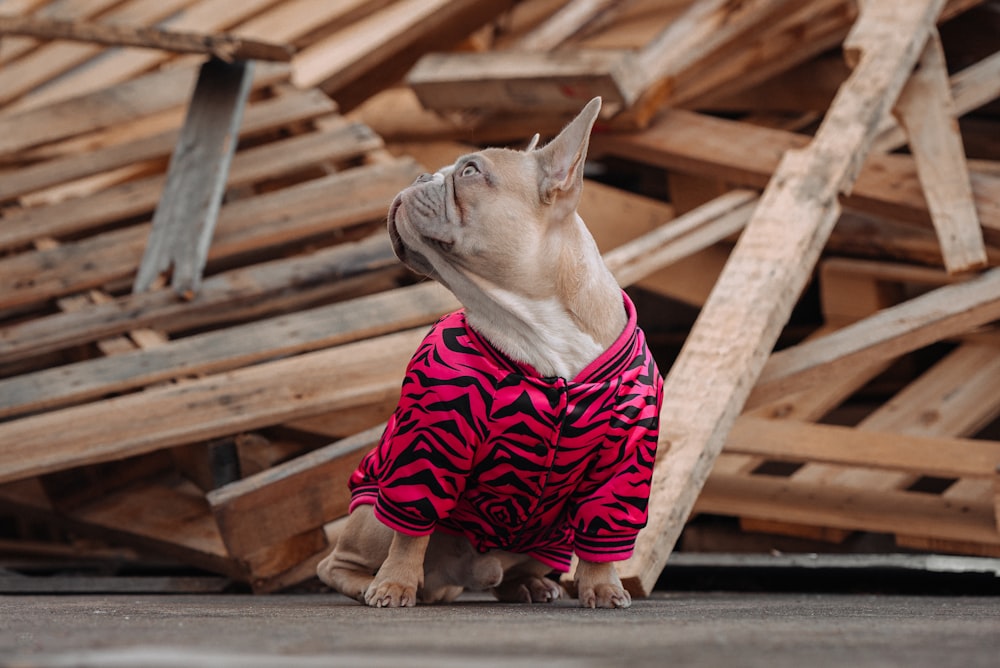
pixel 527 423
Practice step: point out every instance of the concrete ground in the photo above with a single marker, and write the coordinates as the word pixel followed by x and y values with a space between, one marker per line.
pixel 668 629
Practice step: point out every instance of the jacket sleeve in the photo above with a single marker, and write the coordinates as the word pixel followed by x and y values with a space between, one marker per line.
pixel 416 474
pixel 611 506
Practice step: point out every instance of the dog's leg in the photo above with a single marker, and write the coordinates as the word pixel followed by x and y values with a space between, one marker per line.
pixel 598 586
pixel 359 551
pixel 524 581
pixel 401 575
pixel 452 565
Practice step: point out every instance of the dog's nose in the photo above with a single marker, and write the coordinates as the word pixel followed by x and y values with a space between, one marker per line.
pixel 424 178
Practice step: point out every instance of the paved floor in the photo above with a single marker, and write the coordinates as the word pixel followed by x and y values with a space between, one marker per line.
pixel 669 629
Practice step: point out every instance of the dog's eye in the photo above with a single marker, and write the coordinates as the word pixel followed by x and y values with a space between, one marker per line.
pixel 470 170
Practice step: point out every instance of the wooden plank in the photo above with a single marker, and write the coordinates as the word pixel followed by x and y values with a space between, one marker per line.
pixel 226 349
pixel 226 47
pixel 790 40
pixel 138 197
pixel 298 21
pixel 164 517
pixel 747 155
pixel 144 96
pixel 568 20
pixel 261 395
pixel 403 30
pixel 73 10
pixel 122 65
pixel 269 507
pixel 524 81
pixel 702 32
pixel 289 107
pixel 927 113
pixel 303 571
pixel 726 350
pixel 681 237
pixel 973 87
pixel 322 205
pixel 952 398
pixel 185 217
pixel 770 498
pixel 958 396
pixel 53 59
pixel 791 440
pixel 255 290
pixel 936 315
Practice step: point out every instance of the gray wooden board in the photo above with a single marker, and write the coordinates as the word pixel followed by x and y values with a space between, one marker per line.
pixel 189 208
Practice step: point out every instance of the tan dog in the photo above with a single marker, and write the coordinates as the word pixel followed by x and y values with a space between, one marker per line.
pixel 499 228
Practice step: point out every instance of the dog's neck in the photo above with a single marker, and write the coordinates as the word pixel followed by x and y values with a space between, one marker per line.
pixel 572 313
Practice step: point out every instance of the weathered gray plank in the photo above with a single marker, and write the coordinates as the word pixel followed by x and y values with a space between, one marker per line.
pixel 196 179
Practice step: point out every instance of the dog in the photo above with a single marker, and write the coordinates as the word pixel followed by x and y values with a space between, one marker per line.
pixel 527 423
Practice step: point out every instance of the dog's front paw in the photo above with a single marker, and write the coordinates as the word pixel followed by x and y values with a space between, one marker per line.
pixel 384 594
pixel 598 586
pixel 604 596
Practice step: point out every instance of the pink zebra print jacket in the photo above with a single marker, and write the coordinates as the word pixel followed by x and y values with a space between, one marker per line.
pixel 484 447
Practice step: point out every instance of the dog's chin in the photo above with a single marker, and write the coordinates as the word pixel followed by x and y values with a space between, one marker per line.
pixel 411 258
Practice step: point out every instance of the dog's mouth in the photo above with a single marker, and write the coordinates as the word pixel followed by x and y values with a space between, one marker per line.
pixel 407 255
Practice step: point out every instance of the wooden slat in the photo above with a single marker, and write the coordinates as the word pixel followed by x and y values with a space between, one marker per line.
pixel 188 210
pixel 790 39
pixel 226 47
pixel 926 111
pixel 287 108
pixel 698 34
pixel 945 312
pixel 568 20
pixel 255 290
pixel 747 155
pixel 163 517
pixel 382 46
pixel 727 347
pixel 269 507
pixel 522 81
pixel 928 515
pixel 122 65
pixel 261 395
pixel 144 96
pixel 958 396
pixel 354 196
pixel 791 440
pixel 955 397
pixel 230 348
pixel 53 59
pixel 73 10
pixel 139 197
pixel 681 237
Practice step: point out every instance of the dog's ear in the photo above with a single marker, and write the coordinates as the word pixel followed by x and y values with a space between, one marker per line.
pixel 561 160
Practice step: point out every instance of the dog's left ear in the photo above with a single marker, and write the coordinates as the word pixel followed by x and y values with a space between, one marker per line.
pixel 561 161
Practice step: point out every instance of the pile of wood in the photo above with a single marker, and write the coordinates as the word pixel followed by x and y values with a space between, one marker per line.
pixel 809 176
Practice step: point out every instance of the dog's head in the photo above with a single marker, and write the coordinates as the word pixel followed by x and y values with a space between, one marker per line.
pixel 494 218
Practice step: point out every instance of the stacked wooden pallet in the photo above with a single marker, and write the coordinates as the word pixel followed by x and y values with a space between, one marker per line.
pixel 219 429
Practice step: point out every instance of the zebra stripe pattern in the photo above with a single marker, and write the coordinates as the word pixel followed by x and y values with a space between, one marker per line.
pixel 482 446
